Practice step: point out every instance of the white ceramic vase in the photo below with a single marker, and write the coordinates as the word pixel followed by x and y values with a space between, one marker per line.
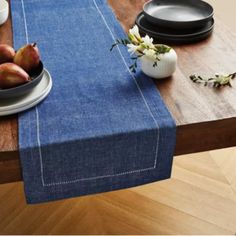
pixel 4 11
pixel 165 67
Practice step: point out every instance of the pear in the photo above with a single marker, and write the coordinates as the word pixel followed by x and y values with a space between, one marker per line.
pixel 7 53
pixel 28 57
pixel 12 75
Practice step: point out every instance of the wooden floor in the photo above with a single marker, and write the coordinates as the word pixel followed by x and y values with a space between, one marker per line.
pixel 199 199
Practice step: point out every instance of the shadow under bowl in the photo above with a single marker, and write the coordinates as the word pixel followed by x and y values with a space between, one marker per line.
pixel 23 89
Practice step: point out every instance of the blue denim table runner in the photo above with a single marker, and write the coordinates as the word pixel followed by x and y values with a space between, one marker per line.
pixel 101 128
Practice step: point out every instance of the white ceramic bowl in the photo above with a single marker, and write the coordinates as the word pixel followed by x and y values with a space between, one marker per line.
pixel 165 67
pixel 4 11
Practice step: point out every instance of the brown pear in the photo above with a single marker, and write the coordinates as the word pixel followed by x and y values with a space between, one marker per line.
pixel 7 53
pixel 12 75
pixel 28 57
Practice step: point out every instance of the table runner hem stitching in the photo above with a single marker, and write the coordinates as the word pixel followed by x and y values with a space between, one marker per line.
pixel 133 77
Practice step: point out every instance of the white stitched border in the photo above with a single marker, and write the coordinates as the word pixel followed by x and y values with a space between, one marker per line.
pixel 37 116
pixel 26 29
pixel 140 91
pixel 36 109
pixel 97 177
pixel 39 144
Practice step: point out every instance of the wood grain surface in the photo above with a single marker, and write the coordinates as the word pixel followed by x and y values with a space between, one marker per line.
pixel 205 117
pixel 199 199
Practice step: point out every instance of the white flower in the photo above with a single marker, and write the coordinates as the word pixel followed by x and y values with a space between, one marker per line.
pixel 150 53
pixel 134 35
pixel 132 48
pixel 148 42
pixel 222 79
pixel 135 31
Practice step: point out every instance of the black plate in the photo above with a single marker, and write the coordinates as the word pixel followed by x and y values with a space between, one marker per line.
pixel 174 36
pixel 178 14
pixel 24 88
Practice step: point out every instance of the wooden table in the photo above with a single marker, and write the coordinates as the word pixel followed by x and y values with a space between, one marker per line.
pixel 205 117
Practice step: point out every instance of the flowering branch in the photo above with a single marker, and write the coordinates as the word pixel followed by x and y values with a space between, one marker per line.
pixel 217 81
pixel 141 46
pixel 119 41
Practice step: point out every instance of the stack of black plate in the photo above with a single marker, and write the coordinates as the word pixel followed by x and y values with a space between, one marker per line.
pixel 176 21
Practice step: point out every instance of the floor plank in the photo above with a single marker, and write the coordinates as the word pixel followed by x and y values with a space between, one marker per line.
pixel 199 199
pixel 226 161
